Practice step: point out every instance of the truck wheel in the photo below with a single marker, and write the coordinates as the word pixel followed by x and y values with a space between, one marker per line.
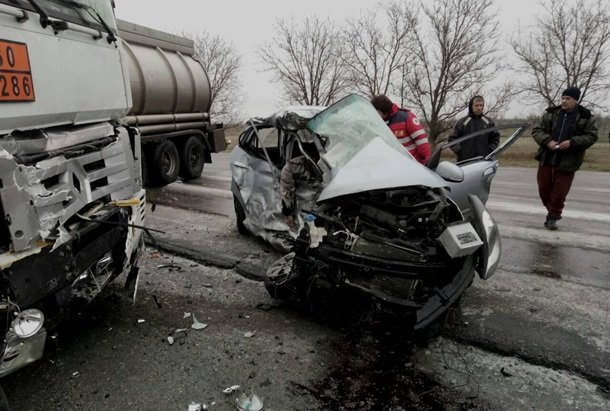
pixel 192 159
pixel 240 215
pixel 164 169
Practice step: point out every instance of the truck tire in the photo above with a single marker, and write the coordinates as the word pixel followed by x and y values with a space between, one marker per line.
pixel 192 158
pixel 165 166
pixel 240 216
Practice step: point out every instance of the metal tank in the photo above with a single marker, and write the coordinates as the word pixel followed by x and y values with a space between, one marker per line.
pixel 164 77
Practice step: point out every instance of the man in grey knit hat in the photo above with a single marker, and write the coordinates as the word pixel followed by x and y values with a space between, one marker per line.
pixel 564 133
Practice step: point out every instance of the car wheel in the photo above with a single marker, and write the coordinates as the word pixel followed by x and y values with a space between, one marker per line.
pixel 192 158
pixel 278 279
pixel 166 164
pixel 240 216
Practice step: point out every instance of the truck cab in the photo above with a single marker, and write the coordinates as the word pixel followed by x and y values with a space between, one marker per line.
pixel 71 196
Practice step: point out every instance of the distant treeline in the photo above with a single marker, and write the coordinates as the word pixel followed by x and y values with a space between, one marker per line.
pixel 602 122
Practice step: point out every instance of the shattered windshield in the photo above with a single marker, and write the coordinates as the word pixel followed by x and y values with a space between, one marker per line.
pixel 350 125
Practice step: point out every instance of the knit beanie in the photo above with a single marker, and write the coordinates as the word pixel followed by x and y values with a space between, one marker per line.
pixel 572 91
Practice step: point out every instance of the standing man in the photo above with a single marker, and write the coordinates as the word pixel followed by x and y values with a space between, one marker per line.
pixel 563 134
pixel 405 126
pixel 475 121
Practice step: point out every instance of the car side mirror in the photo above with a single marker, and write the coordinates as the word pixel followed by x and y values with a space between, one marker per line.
pixel 450 172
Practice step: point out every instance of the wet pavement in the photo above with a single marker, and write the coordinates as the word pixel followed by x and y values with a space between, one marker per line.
pixel 573 264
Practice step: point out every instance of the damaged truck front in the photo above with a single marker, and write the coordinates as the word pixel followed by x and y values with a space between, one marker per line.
pixel 71 197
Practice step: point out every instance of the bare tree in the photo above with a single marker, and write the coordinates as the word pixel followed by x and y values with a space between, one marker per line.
pixel 222 64
pixel 306 58
pixel 375 55
pixel 452 57
pixel 568 46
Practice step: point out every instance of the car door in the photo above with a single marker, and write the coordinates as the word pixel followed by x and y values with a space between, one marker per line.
pixel 255 174
pixel 478 172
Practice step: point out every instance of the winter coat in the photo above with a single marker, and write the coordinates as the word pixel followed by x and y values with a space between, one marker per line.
pixel 583 135
pixel 478 146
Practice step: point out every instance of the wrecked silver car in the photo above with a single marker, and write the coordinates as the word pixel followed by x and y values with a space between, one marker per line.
pixel 375 226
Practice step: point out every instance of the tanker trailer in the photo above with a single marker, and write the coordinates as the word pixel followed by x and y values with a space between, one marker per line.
pixel 171 102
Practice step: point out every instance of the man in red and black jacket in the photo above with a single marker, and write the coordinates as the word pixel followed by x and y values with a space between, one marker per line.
pixel 405 126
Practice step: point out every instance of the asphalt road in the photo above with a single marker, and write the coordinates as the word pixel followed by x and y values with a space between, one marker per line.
pixel 535 336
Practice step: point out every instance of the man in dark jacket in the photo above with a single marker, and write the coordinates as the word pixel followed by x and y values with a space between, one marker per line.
pixel 475 121
pixel 564 133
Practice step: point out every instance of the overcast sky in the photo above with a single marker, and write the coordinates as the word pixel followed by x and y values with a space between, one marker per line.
pixel 249 24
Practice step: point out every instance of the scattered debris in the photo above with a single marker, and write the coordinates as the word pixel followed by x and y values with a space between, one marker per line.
pixel 188 286
pixel 156 300
pixel 171 265
pixel 264 306
pixel 198 325
pixel 208 285
pixel 505 372
pixel 250 402
pixel 231 389
pixel 177 335
pixel 75 374
pixel 195 406
pixel 186 315
pixel 141 320
pixel 250 334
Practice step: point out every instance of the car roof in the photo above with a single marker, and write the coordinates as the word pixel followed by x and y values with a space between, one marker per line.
pixel 289 118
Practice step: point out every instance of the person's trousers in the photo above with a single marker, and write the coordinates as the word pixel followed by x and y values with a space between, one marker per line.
pixel 553 187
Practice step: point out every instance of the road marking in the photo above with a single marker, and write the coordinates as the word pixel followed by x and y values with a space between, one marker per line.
pixel 511 206
pixel 198 190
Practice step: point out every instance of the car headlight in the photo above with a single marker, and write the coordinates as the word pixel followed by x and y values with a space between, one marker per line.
pixel 27 323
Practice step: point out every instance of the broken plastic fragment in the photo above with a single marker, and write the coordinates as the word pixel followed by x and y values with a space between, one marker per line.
pixel 250 402
pixel 194 406
pixel 231 389
pixel 250 334
pixel 198 325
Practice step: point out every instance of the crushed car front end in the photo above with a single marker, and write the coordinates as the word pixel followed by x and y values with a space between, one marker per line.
pixel 406 252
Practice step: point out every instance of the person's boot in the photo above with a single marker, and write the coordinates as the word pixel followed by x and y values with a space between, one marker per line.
pixel 551 224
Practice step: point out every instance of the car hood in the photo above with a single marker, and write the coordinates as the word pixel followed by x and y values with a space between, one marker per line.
pixel 378 166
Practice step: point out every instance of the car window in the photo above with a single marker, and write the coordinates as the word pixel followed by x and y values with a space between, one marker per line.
pixel 253 141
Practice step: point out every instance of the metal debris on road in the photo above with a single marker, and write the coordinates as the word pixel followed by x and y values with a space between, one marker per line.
pixel 250 334
pixel 198 325
pixel 250 402
pixel 231 389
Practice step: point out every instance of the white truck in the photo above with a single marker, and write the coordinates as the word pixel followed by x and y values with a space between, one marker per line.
pixel 81 109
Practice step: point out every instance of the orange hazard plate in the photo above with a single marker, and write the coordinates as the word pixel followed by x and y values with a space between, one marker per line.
pixel 15 73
